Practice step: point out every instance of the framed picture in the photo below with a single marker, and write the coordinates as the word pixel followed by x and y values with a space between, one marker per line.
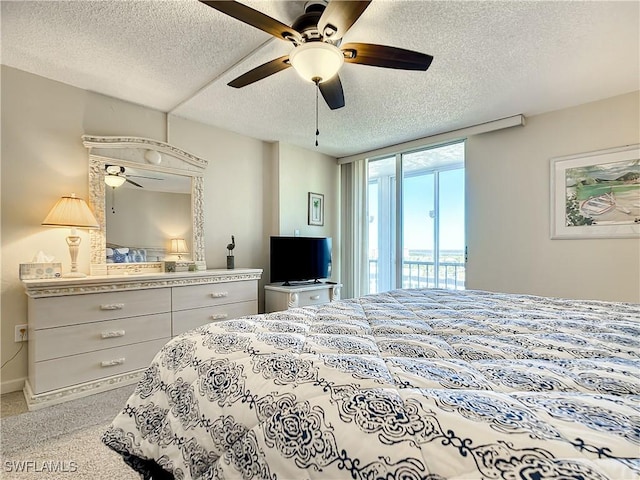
pixel 316 209
pixel 596 195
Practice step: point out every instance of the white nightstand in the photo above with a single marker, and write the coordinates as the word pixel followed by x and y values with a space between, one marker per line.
pixel 278 297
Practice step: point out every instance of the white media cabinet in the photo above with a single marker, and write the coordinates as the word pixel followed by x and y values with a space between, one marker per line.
pixel 278 297
pixel 100 332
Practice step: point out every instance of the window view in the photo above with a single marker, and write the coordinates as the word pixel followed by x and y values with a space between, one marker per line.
pixel 431 226
pixel 382 218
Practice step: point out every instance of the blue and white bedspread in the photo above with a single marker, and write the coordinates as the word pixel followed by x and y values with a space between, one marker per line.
pixel 408 384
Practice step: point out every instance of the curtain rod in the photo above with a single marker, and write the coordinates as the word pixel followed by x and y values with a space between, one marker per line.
pixel 508 122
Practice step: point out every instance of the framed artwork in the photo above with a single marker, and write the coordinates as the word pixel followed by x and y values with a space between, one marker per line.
pixel 316 209
pixel 596 195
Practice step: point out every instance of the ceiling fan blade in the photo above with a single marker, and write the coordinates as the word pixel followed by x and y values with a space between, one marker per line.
pixel 140 176
pixel 256 19
pixel 332 92
pixel 339 16
pixel 134 183
pixel 260 72
pixel 385 56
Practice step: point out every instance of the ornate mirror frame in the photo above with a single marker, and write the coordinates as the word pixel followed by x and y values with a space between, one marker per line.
pixel 151 155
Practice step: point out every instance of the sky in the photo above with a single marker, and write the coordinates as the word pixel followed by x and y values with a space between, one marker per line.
pixel 419 201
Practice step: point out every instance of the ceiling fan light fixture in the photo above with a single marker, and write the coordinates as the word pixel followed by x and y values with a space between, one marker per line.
pixel 114 180
pixel 316 60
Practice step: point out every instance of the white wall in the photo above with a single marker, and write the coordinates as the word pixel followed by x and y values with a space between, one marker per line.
pixel 43 158
pixel 145 218
pixel 301 172
pixel 236 183
pixel 508 205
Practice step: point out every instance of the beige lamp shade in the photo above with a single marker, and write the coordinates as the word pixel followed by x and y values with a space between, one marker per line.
pixel 71 211
pixel 178 247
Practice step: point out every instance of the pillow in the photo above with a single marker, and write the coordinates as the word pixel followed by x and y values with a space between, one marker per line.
pixel 138 255
pixel 120 255
pixel 109 255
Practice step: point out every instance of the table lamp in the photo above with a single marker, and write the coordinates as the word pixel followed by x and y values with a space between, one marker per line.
pixel 178 247
pixel 72 212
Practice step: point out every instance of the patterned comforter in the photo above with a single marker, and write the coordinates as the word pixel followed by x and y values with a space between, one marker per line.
pixel 407 384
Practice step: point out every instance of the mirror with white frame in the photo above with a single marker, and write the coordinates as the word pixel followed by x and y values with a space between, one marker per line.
pixel 158 186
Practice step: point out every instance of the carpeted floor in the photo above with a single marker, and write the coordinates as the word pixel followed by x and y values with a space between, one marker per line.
pixel 12 404
pixel 62 441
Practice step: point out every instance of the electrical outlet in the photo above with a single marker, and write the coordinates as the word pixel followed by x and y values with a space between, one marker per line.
pixel 21 333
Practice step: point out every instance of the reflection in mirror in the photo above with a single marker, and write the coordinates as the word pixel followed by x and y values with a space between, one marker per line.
pixel 145 213
pixel 161 198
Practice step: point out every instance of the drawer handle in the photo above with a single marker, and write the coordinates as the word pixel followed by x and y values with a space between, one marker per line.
pixel 112 334
pixel 219 316
pixel 315 297
pixel 220 294
pixel 112 306
pixel 112 363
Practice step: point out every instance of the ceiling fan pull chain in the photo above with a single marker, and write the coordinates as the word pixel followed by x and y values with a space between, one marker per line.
pixel 317 82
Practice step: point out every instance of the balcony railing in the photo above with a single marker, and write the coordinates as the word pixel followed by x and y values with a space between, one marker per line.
pixel 421 274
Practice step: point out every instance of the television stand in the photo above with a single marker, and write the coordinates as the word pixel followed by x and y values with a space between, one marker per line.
pixel 279 297
pixel 294 283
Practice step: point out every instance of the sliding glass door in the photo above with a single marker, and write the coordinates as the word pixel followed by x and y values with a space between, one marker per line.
pixel 419 220
pixel 381 196
pixel 450 262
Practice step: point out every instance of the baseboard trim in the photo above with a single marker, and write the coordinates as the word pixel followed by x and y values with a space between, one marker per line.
pixel 11 386
pixel 54 397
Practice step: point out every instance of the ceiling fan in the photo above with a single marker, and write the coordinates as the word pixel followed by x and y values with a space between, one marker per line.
pixel 318 53
pixel 115 176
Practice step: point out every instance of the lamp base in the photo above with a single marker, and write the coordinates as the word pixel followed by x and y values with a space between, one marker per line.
pixel 74 275
pixel 73 241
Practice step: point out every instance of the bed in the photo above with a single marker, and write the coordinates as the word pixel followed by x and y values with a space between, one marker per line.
pixel 407 384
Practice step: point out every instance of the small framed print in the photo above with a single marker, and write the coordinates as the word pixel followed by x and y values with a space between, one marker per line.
pixel 316 209
pixel 37 271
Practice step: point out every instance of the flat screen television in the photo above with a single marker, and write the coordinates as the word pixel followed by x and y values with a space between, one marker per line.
pixel 300 259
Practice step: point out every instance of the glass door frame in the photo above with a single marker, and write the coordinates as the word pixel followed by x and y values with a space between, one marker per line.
pixel 396 240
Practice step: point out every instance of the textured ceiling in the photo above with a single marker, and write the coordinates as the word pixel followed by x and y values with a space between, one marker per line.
pixel 491 60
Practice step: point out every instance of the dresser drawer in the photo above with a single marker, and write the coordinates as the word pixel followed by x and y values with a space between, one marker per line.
pixel 64 341
pixel 313 297
pixel 189 319
pixel 93 307
pixel 196 296
pixel 66 371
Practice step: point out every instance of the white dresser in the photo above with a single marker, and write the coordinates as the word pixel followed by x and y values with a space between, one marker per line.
pixel 278 297
pixel 96 333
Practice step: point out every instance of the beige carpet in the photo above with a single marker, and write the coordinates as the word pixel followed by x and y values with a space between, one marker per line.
pixel 77 456
pixel 62 441
pixel 12 404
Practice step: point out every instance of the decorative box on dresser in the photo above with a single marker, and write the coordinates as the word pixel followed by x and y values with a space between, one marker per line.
pixel 280 297
pixel 97 333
